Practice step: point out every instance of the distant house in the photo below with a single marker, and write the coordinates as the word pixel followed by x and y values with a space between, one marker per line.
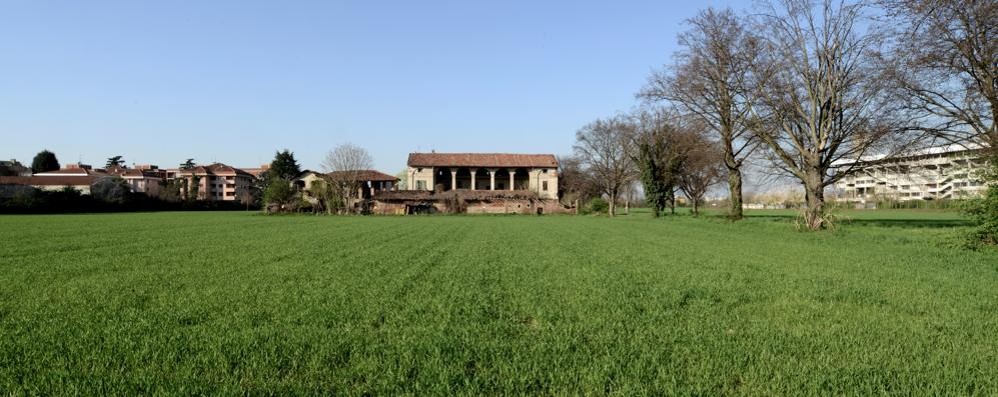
pixel 369 183
pixel 13 168
pixel 76 176
pixel 81 183
pixel 215 182
pixel 142 179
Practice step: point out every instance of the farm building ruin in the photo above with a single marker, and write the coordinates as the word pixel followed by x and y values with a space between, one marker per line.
pixel 492 183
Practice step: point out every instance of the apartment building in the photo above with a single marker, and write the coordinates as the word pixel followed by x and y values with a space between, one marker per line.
pixel 948 172
pixel 215 182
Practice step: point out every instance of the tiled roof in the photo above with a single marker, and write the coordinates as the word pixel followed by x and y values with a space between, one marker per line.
pixel 213 169
pixel 70 171
pixel 55 180
pixel 496 160
pixel 257 172
pixel 369 175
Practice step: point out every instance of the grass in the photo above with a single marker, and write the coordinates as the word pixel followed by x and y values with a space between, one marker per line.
pixel 237 303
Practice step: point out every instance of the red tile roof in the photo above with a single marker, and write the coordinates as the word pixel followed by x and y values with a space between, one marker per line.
pixel 213 169
pixel 369 175
pixel 257 172
pixel 70 171
pixel 495 160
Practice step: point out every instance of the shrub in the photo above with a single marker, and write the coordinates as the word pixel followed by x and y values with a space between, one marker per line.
pixel 596 206
pixel 279 192
pixel 984 212
pixel 111 190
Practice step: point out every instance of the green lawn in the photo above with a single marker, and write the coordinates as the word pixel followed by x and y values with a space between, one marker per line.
pixel 235 303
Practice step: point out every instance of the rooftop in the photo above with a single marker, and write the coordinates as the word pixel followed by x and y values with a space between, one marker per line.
pixel 368 175
pixel 52 180
pixel 485 160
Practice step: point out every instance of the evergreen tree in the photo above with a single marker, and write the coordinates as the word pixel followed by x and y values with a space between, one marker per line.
pixel 284 166
pixel 44 161
pixel 114 161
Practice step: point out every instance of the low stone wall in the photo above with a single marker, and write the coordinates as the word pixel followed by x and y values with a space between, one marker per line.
pixel 515 206
pixel 490 206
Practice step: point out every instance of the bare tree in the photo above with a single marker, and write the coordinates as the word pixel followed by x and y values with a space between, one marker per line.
pixel 344 166
pixel 245 196
pixel 701 169
pixel 602 147
pixel 947 67
pixel 710 80
pixel 575 185
pixel 821 101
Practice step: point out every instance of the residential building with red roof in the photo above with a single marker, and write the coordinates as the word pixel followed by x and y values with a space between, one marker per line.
pixel 215 182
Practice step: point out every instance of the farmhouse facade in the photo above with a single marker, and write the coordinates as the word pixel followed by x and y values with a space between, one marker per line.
pixel 537 173
pixel 474 183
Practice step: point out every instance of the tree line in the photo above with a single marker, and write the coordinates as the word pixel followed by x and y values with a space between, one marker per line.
pixel 804 88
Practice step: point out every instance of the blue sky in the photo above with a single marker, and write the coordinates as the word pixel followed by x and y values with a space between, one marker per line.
pixel 233 81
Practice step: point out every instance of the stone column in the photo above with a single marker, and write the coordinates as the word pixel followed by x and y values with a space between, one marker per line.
pixel 474 173
pixel 453 179
pixel 492 177
pixel 512 179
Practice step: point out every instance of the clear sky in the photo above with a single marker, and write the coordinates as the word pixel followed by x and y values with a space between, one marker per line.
pixel 232 81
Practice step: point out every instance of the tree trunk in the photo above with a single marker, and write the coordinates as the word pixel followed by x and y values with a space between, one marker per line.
pixel 735 193
pixel 613 203
pixel 696 207
pixel 814 191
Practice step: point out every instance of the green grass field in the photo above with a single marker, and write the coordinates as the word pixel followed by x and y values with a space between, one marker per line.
pixel 235 303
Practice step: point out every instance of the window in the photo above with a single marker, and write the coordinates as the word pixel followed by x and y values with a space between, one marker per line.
pixel 420 185
pixel 544 185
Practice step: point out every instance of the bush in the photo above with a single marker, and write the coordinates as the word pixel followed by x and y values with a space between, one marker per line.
pixel 111 190
pixel 279 192
pixel 596 206
pixel 984 212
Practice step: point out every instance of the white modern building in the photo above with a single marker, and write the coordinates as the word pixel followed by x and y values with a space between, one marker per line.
pixel 937 173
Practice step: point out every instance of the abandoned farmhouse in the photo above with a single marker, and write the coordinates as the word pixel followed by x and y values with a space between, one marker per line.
pixel 475 183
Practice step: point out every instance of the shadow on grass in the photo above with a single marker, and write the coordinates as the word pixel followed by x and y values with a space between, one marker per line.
pixel 911 223
pixel 876 222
